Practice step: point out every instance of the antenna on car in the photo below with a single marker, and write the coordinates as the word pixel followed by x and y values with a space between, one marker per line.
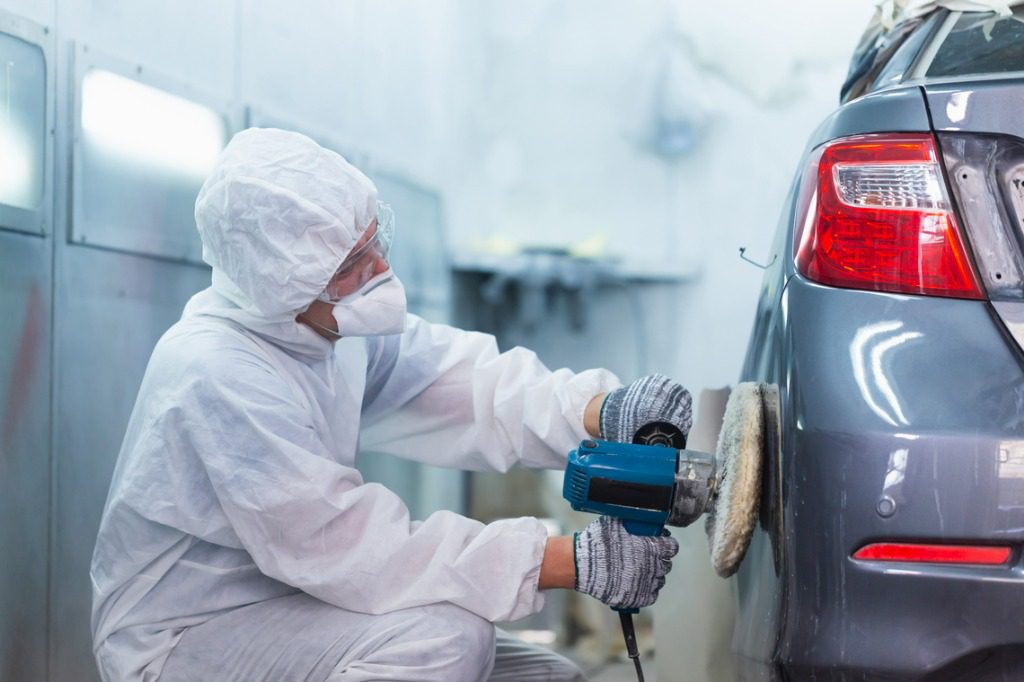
pixel 743 251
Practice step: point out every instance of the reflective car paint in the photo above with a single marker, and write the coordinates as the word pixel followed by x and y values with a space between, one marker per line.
pixel 902 420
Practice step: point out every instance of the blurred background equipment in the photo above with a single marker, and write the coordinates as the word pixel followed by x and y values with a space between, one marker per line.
pixel 623 150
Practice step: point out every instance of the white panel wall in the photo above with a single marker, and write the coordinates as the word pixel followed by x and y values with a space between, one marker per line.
pixel 382 76
pixel 533 120
pixel 192 41
pixel 39 11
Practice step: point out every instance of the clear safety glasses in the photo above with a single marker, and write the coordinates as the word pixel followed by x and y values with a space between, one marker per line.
pixel 367 260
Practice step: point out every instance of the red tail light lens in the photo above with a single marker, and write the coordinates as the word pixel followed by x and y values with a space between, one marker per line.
pixel 878 217
pixel 934 554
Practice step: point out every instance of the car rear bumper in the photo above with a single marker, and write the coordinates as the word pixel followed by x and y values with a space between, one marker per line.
pixel 920 402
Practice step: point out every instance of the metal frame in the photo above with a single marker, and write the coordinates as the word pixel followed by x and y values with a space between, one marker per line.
pixel 925 59
pixel 86 58
pixel 12 218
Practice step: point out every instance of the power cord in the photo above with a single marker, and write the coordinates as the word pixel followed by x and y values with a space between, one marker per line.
pixel 629 634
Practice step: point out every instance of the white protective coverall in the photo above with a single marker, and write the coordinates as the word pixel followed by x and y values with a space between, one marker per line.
pixel 235 511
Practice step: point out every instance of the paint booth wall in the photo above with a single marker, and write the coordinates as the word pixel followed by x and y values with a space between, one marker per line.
pixel 662 133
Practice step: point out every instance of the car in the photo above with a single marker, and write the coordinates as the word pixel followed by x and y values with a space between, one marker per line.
pixel 892 322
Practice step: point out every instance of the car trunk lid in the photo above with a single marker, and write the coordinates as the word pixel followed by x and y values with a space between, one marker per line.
pixel 981 137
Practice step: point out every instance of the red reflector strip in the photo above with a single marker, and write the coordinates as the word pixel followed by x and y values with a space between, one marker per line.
pixel 934 554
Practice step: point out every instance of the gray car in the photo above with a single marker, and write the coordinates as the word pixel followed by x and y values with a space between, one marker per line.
pixel 892 321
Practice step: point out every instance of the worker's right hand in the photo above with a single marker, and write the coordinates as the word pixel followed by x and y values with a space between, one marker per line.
pixel 654 398
pixel 622 570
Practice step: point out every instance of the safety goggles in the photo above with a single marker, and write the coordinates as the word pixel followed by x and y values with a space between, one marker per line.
pixel 364 262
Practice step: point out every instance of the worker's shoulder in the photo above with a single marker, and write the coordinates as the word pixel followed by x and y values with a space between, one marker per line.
pixel 210 346
pixel 419 331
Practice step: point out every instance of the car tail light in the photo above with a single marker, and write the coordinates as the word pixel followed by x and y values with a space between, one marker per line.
pixel 934 554
pixel 878 217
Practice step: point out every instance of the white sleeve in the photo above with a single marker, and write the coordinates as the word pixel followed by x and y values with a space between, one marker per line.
pixel 313 523
pixel 445 396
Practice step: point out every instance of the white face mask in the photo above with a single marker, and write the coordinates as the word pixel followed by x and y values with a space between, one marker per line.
pixel 376 309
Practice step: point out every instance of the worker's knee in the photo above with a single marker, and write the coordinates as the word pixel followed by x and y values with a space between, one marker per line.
pixel 436 642
pixel 552 668
pixel 517 661
pixel 466 650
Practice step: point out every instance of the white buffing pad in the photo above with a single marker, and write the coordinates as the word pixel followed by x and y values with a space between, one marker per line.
pixel 739 456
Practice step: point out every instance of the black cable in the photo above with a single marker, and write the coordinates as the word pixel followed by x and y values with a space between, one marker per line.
pixel 629 634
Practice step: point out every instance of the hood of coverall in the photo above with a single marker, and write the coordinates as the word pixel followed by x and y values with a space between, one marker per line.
pixel 277 216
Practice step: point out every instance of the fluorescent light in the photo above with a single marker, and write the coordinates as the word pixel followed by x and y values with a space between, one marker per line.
pixel 17 164
pixel 130 119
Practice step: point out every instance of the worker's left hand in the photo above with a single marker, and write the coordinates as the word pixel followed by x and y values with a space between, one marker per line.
pixel 624 571
pixel 654 398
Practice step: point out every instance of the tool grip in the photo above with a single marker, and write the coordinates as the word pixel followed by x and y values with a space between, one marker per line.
pixel 639 528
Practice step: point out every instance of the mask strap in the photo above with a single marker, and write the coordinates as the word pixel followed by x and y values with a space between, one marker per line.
pixel 311 321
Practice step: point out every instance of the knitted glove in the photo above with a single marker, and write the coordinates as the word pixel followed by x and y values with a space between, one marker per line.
pixel 654 398
pixel 622 570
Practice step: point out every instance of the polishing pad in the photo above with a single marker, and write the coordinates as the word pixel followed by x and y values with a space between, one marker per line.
pixel 739 456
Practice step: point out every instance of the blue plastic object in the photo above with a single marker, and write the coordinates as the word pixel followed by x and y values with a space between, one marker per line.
pixel 634 483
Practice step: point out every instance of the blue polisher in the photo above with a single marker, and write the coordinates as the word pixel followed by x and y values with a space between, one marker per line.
pixel 655 482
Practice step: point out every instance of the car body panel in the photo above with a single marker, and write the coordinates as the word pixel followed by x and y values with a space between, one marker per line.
pixel 915 400
pixel 991 106
pixel 1012 315
pixel 990 109
pixel 888 111
pixel 866 380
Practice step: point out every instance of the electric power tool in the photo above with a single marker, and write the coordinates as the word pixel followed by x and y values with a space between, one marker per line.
pixel 655 481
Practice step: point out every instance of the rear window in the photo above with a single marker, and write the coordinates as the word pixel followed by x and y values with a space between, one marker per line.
pixel 981 44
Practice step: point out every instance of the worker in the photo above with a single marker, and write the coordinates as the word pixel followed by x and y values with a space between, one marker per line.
pixel 240 542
